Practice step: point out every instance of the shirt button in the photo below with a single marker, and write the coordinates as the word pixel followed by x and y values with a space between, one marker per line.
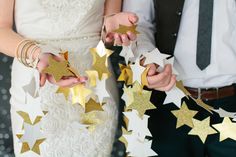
pixel 179 13
pixel 174 35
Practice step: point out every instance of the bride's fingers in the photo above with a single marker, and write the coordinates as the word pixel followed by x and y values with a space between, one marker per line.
pixel 133 18
pixel 43 78
pixel 131 36
pixel 117 39
pixel 125 40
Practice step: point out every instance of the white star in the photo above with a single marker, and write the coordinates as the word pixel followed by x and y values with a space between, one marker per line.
pixel 137 70
pixel 224 113
pixel 32 107
pixel 174 96
pixel 127 53
pixel 155 57
pixel 101 91
pixel 32 134
pixel 137 147
pixel 101 49
pixel 33 87
pixel 137 125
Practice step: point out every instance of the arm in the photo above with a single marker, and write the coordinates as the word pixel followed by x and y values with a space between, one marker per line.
pixel 112 7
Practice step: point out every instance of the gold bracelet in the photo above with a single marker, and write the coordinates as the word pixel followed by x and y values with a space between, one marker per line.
pixel 24 52
pixel 18 47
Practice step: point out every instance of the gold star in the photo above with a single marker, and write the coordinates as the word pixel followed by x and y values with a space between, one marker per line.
pixel 79 94
pixel 124 29
pixel 92 76
pixel 92 105
pixel 65 55
pixel 91 120
pixel 65 91
pixel 184 116
pixel 179 84
pixel 227 129
pixel 204 105
pixel 126 74
pixel 100 65
pixel 202 129
pixel 141 102
pixel 57 69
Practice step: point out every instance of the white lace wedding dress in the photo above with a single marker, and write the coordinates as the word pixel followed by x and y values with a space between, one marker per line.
pixel 72 25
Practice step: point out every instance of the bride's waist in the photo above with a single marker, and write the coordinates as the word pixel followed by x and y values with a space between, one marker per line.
pixel 77 38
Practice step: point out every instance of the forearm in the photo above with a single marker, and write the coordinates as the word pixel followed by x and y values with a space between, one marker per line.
pixel 112 7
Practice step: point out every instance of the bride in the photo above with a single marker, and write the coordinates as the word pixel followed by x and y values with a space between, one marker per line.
pixel 74 26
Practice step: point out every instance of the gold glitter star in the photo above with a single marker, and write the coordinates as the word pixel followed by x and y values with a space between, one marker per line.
pixel 184 116
pixel 92 105
pixel 141 102
pixel 57 69
pixel 204 105
pixel 79 94
pixel 91 120
pixel 92 76
pixel 122 139
pixel 65 91
pixel 25 116
pixel 100 65
pixel 202 129
pixel 227 129
pixel 124 29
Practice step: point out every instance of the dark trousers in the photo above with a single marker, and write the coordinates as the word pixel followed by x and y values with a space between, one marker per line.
pixel 171 142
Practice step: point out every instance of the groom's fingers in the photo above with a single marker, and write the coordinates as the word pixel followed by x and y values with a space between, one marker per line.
pixel 133 18
pixel 152 70
pixel 169 86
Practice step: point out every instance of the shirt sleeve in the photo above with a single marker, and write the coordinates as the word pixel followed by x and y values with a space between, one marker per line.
pixel 146 25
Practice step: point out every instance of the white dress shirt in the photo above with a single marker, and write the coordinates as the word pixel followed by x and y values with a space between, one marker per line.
pixel 222 70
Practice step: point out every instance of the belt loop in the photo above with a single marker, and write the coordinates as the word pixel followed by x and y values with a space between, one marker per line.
pixel 199 93
pixel 217 93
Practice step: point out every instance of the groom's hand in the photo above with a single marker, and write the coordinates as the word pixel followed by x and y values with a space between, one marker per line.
pixel 163 81
pixel 112 23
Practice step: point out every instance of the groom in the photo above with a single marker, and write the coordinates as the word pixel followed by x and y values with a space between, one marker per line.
pixel 201 35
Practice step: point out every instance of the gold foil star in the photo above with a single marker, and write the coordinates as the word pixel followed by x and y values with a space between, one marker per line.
pixel 57 69
pixel 227 129
pixel 184 116
pixel 126 74
pixel 179 84
pixel 79 94
pixel 141 103
pixel 100 65
pixel 202 129
pixel 92 76
pixel 124 29
pixel 65 91
pixel 204 105
pixel 92 105
pixel 25 116
pixel 90 119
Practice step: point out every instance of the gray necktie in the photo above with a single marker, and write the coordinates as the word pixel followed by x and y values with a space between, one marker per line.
pixel 204 33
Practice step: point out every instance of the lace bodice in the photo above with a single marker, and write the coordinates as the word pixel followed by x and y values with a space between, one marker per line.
pixel 58 18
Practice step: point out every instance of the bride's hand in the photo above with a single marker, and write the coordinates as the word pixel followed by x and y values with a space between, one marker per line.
pixel 112 23
pixel 64 82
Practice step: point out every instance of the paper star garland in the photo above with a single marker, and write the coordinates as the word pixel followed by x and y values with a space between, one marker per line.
pixel 92 75
pixel 175 96
pixel 65 91
pixel 126 74
pixel 32 138
pixel 122 138
pixel 100 65
pixel 137 70
pixel 127 53
pixel 155 57
pixel 32 107
pixel 202 129
pixel 33 87
pixel 80 94
pixel 101 50
pixel 91 120
pixel 227 129
pixel 179 84
pixel 222 113
pixel 124 29
pixel 92 105
pixel 141 103
pixel 100 91
pixel 57 69
pixel 171 62
pixel 203 105
pixel 184 116
pixel 25 116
